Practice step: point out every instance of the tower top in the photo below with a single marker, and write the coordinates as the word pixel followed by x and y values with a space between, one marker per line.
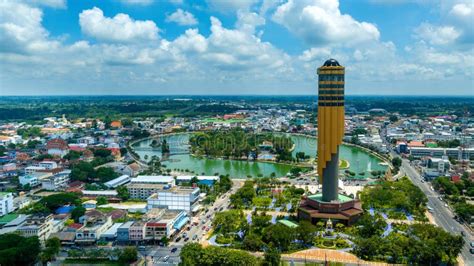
pixel 331 62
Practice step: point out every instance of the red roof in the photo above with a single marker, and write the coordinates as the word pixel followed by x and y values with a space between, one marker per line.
pixel 75 226
pixel 57 144
pixel 416 144
pixel 455 178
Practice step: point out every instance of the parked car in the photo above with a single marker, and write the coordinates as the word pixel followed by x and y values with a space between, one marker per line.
pixel 195 237
pixel 173 250
pixel 166 258
pixel 177 239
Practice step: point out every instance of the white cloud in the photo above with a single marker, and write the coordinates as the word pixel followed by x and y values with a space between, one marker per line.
pixel 321 23
pixel 437 35
pixel 21 30
pixel 120 28
pixel 182 17
pixel 191 41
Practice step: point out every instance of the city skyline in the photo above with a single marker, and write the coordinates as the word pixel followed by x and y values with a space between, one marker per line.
pixel 145 47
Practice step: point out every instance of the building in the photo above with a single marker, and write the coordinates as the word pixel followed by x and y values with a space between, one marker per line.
pixel 48 165
pixel 6 203
pixel 56 182
pixel 123 232
pixel 37 225
pixel 92 194
pixel 30 180
pixel 57 147
pixel 175 198
pixel 121 180
pixel 330 204
pixel 137 231
pixel 436 167
pixel 95 223
pixel 142 187
pixel 164 223
pixel 330 126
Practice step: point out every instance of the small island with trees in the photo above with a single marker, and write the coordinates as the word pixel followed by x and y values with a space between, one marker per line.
pixel 238 144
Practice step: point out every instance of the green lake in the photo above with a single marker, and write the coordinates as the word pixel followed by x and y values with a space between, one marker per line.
pixel 360 161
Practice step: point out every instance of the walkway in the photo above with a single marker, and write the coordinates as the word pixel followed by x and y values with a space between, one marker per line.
pixel 328 255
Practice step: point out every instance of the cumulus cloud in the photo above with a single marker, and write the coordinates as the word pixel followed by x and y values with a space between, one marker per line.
pixel 120 28
pixel 182 17
pixel 321 23
pixel 437 35
pixel 21 30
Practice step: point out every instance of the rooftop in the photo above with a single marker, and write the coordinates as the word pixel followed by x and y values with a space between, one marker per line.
pixel 288 223
pixel 152 179
pixel 331 62
pixel 341 198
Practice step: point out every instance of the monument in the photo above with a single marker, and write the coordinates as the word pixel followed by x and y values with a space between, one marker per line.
pixel 330 204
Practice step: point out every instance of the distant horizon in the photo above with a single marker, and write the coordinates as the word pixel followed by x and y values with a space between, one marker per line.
pixel 237 95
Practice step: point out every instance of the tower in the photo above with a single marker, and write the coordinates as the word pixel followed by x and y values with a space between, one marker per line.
pixel 330 126
pixel 330 205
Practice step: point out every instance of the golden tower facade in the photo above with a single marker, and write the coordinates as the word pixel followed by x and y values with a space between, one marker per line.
pixel 330 125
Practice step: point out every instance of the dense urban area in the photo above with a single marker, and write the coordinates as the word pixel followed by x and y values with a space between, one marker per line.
pixel 224 181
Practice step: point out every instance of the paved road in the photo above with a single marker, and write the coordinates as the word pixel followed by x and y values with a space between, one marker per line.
pixel 443 216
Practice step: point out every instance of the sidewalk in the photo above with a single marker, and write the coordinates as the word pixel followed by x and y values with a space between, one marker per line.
pixel 329 255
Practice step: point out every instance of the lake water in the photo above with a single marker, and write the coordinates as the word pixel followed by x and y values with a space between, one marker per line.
pixel 360 161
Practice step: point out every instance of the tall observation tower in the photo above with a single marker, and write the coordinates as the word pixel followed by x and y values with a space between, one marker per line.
pixel 330 125
pixel 330 204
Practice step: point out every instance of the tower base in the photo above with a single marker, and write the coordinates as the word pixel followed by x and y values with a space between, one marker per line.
pixel 344 210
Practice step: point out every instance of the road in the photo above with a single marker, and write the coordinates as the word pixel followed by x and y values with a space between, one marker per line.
pixel 442 215
pixel 157 255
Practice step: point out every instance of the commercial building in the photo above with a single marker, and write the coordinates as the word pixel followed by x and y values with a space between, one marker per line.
pixel 95 223
pixel 137 231
pixel 123 232
pixel 330 204
pixel 6 203
pixel 164 223
pixel 175 198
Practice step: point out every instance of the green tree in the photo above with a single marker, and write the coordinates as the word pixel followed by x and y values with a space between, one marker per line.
pixel 272 257
pixel 123 193
pixel 305 232
pixel 128 255
pixel 279 235
pixel 18 250
pixel 52 248
pixel 191 254
pixel 101 200
pixel 253 242
pixel 77 212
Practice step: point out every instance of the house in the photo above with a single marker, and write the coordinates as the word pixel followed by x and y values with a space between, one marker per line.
pixel 90 204
pixel 57 147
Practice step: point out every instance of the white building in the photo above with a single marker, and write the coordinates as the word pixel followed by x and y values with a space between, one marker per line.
pixel 38 225
pixel 6 203
pixel 175 198
pixel 48 165
pixel 143 187
pixel 121 180
pixel 55 182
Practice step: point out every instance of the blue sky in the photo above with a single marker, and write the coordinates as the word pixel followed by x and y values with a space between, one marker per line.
pixel 400 47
